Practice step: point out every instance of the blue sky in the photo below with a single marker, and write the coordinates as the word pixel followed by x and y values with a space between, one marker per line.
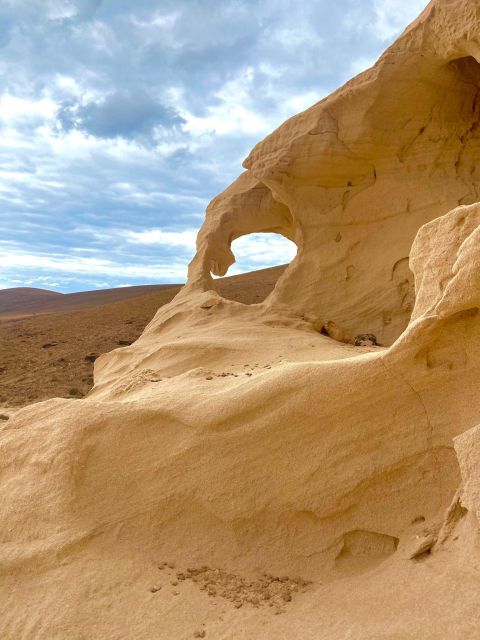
pixel 120 121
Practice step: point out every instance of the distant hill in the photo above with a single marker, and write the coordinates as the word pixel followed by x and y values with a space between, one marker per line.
pixel 24 297
pixel 21 302
pixel 49 341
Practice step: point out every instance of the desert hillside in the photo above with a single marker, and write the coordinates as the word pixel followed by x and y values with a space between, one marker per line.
pixel 49 341
pixel 18 298
pixel 306 467
pixel 25 302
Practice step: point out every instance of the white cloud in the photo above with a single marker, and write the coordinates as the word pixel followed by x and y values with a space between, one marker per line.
pixel 162 22
pixel 60 9
pixel 360 64
pixel 185 238
pixel 235 112
pixel 15 110
pixel 392 16
pixel 173 271
pixel 298 36
pixel 301 102
pixel 261 250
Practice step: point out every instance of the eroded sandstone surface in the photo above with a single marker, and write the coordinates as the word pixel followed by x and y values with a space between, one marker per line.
pixel 353 178
pixel 255 452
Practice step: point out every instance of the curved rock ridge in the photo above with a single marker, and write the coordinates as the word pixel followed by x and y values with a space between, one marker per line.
pixel 238 456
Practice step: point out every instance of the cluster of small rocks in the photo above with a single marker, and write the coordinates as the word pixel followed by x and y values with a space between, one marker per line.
pixel 265 591
pixel 365 340
pixel 138 379
pixel 226 374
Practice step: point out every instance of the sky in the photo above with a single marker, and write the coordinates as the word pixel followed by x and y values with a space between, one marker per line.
pixel 121 120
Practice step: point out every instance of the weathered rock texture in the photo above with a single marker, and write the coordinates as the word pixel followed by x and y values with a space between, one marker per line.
pixel 353 178
pixel 242 438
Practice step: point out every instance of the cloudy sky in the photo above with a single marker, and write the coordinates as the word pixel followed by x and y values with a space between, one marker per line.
pixel 120 120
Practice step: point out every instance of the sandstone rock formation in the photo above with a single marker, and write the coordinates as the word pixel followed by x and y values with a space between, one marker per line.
pixel 268 462
pixel 353 178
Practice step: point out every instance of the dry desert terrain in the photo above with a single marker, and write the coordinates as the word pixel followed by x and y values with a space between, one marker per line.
pixel 49 341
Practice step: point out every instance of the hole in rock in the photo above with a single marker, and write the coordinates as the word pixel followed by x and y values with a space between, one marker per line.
pixel 253 253
pixel 423 556
pixel 364 549
pixel 467 67
pixel 467 74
